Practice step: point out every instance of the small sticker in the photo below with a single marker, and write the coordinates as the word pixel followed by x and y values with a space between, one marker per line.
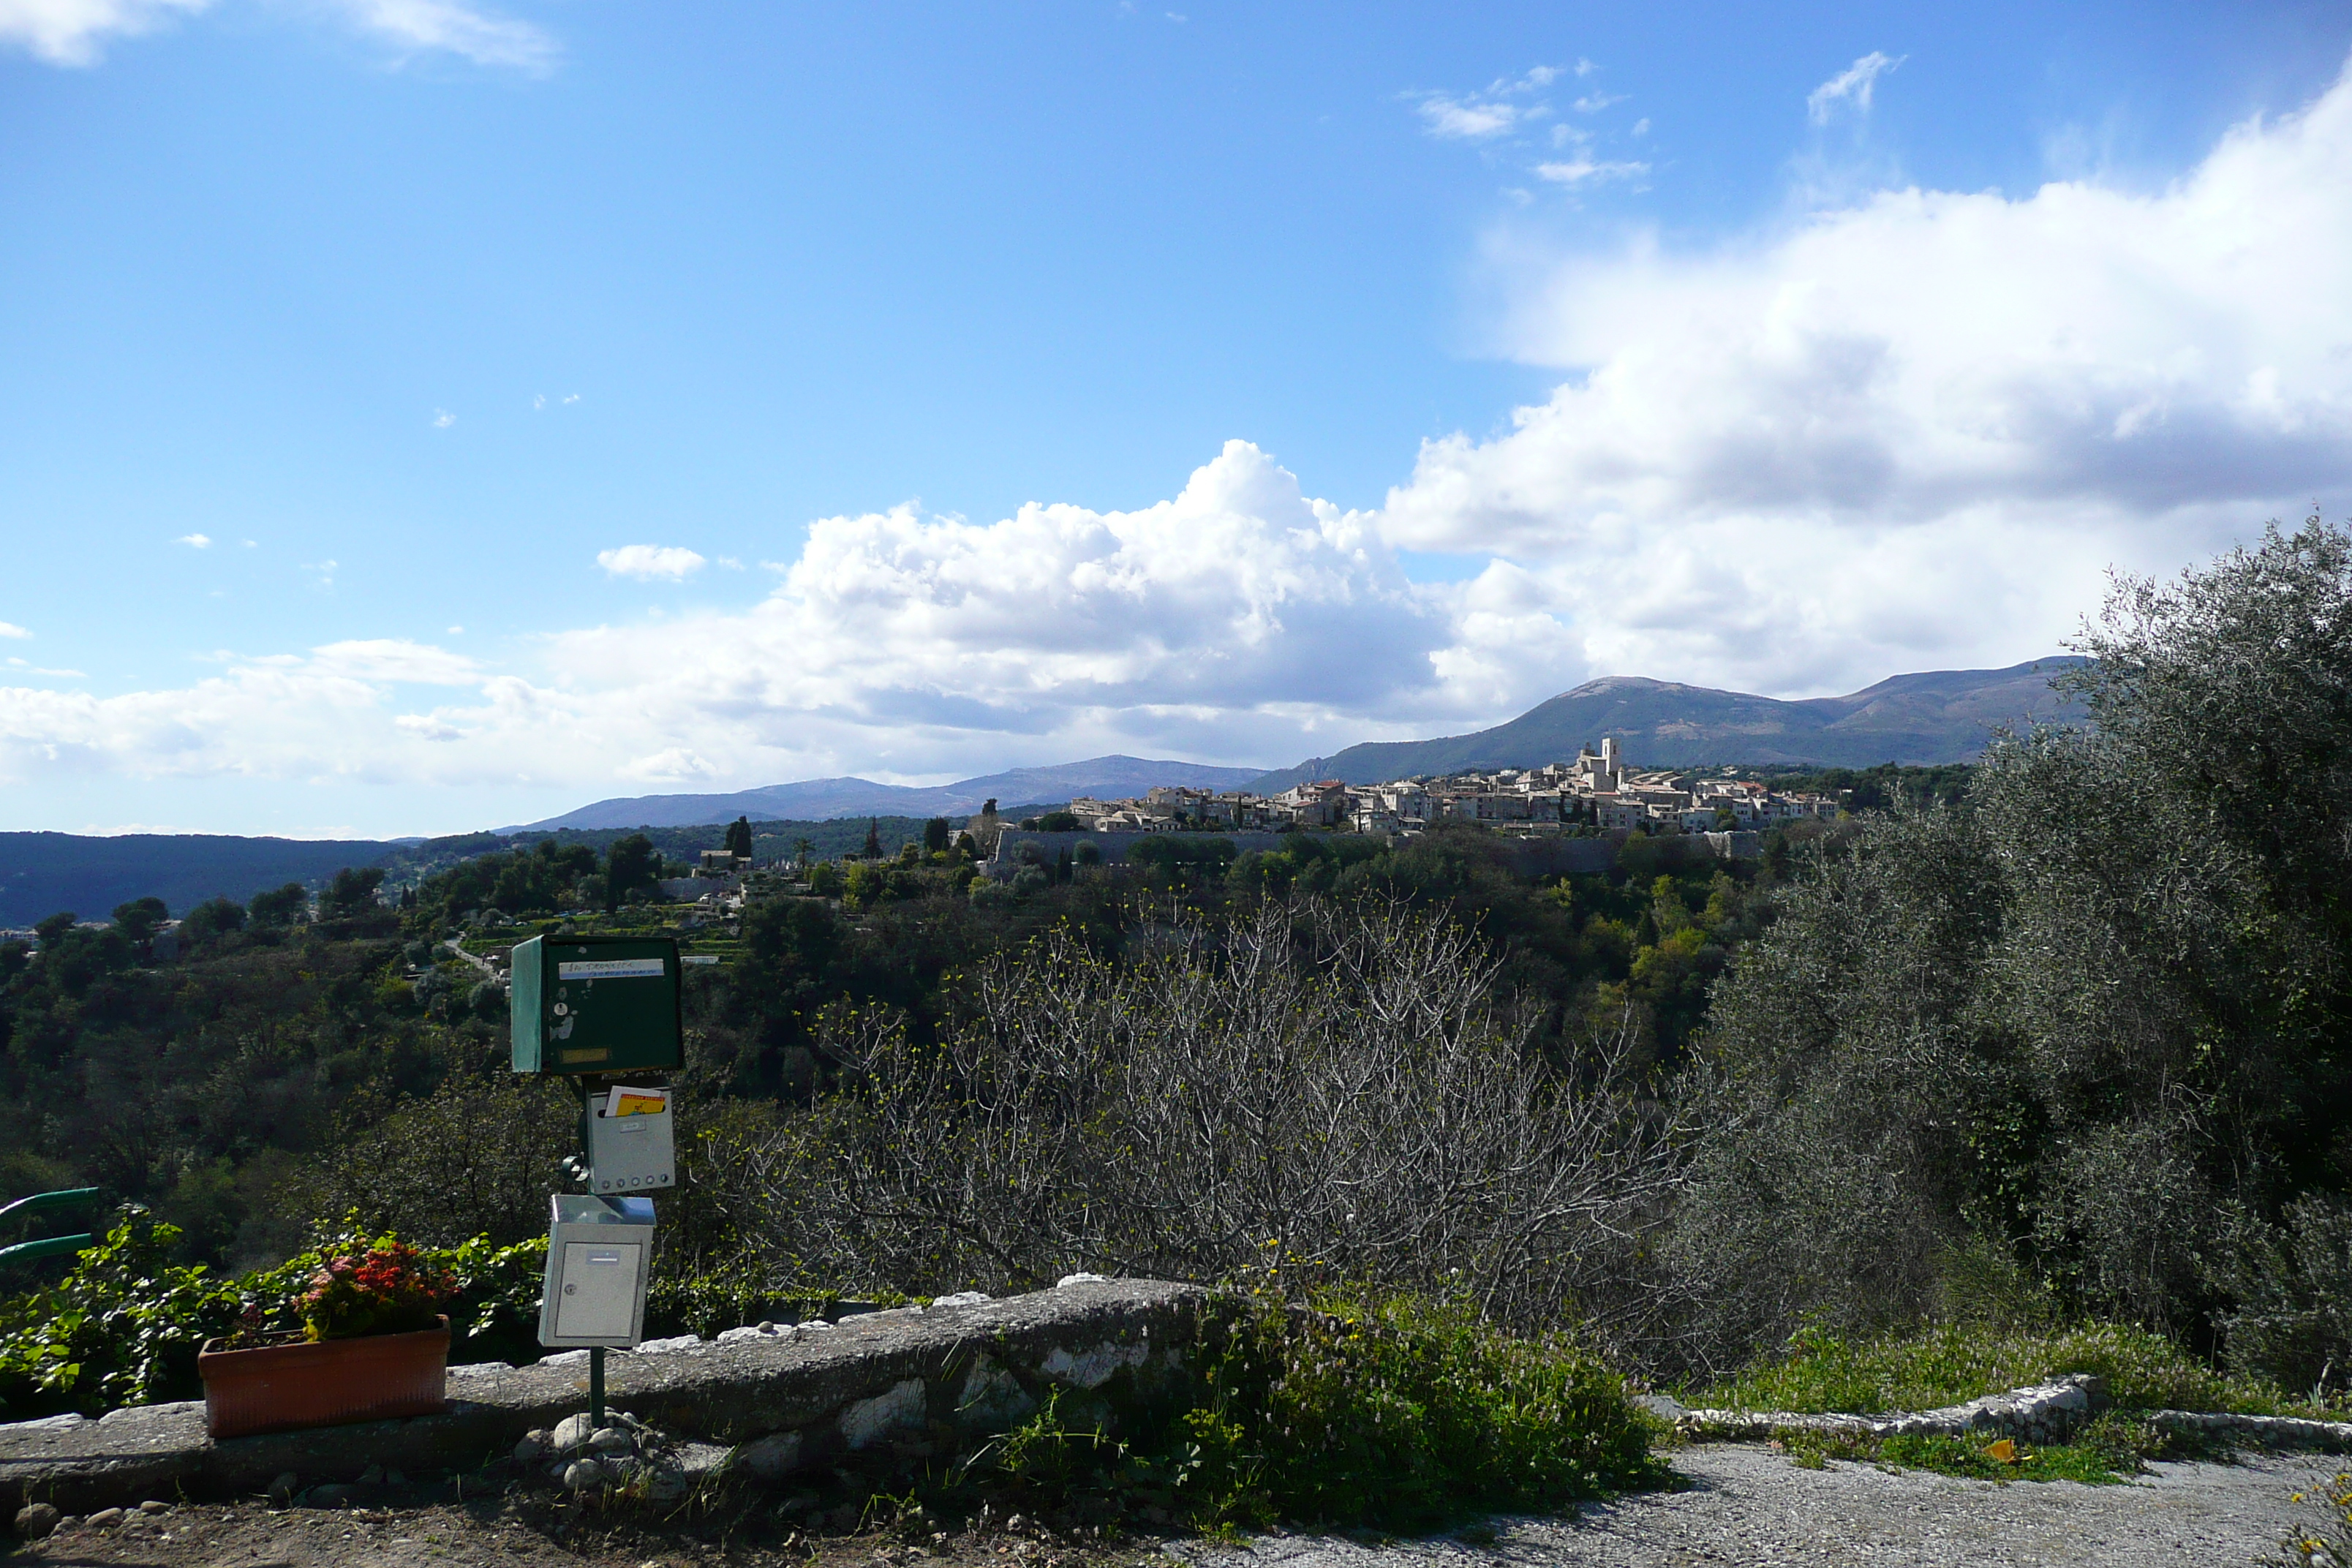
pixel 575 1058
pixel 636 1101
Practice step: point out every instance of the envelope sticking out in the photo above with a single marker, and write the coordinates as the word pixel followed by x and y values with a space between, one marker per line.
pixel 636 1101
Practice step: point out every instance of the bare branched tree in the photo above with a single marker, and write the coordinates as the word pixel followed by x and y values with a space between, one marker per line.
pixel 1336 1091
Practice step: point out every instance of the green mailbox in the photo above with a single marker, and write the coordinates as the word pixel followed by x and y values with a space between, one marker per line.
pixel 596 1005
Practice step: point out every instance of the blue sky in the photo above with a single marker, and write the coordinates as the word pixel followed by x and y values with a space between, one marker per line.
pixel 574 400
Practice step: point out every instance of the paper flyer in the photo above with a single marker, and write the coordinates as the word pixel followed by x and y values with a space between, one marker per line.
pixel 625 1101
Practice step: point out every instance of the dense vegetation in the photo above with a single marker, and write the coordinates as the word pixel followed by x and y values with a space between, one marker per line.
pixel 2048 1058
pixel 2084 1043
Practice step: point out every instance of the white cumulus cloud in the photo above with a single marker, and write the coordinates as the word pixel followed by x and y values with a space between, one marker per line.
pixel 195 541
pixel 647 562
pixel 1917 427
pixel 10 629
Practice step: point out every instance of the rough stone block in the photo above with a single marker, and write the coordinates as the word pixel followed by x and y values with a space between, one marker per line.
pixel 899 1407
pixel 772 1458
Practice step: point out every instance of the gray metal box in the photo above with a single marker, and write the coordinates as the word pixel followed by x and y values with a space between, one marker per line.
pixel 630 1147
pixel 599 1253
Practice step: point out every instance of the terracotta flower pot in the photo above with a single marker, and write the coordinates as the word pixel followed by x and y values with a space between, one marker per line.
pixel 279 1388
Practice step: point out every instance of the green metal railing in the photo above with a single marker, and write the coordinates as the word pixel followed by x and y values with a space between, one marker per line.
pixel 42 1203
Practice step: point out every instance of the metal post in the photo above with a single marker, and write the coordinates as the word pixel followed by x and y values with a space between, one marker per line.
pixel 587 1094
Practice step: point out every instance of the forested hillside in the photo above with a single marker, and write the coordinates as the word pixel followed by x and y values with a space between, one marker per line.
pixel 268 1068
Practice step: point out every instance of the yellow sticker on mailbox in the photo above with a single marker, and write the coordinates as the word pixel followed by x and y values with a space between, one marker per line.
pixel 638 1102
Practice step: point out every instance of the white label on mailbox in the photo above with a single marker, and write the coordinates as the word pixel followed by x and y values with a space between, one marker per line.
pixel 609 969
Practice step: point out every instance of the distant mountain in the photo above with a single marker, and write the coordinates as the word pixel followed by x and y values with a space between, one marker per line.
pixel 42 873
pixel 821 799
pixel 1940 716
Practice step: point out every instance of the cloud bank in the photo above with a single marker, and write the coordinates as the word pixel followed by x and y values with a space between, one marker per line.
pixel 1914 430
pixel 1908 433
pixel 1229 620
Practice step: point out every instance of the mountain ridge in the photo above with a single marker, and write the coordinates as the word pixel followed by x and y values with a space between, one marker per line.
pixel 821 799
pixel 1922 719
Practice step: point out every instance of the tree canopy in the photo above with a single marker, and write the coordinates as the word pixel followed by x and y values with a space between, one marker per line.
pixel 2090 1031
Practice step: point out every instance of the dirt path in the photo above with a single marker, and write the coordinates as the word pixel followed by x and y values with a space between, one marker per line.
pixel 1744 1505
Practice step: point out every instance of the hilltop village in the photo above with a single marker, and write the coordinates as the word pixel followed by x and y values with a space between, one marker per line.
pixel 1597 791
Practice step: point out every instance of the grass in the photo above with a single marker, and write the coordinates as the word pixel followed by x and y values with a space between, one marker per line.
pixel 1951 1364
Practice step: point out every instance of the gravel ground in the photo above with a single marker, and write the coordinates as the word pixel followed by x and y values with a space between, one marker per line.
pixel 1748 1504
pixel 1745 1504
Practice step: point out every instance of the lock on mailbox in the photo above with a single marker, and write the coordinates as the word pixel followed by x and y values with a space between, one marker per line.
pixel 599 1253
pixel 630 1145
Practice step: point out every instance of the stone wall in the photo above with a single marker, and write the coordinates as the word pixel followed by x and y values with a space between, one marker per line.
pixel 781 1400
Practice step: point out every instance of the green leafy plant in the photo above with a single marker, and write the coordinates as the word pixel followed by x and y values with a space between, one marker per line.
pixel 121 1329
pixel 124 1326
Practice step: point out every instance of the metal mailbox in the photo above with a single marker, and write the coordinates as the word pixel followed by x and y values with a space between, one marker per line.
pixel 599 1253
pixel 601 1004
pixel 630 1145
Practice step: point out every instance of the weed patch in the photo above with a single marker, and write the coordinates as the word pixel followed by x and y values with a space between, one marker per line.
pixel 2100 1457
pixel 2327 1542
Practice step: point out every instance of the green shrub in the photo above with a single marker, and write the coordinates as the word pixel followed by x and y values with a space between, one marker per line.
pixel 1401 1412
pixel 124 1327
pixel 1953 1363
